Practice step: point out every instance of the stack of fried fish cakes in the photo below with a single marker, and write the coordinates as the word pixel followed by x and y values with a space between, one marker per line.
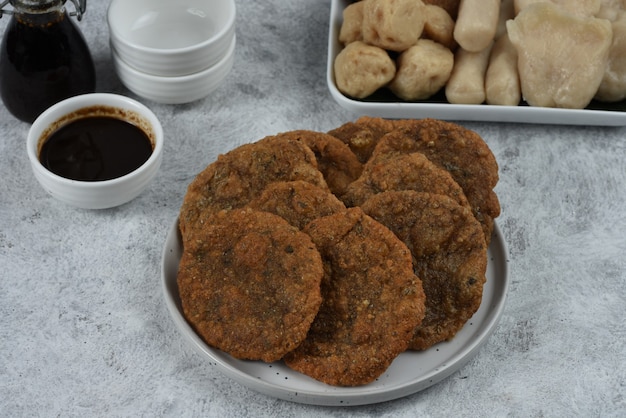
pixel 338 251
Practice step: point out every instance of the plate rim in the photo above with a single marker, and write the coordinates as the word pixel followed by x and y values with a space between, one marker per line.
pixel 339 396
pixel 459 112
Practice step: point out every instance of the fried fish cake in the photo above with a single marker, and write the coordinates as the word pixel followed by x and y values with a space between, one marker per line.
pixel 403 172
pixel 242 174
pixel 372 301
pixel 449 256
pixel 249 284
pixel 335 160
pixel 380 125
pixel 361 136
pixel 458 150
pixel 298 202
pixel 360 140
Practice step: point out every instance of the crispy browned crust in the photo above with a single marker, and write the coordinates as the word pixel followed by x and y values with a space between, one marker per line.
pixel 298 202
pixel 403 172
pixel 372 301
pixel 449 256
pixel 249 284
pixel 242 174
pixel 361 137
pixel 460 151
pixel 335 160
pixel 378 125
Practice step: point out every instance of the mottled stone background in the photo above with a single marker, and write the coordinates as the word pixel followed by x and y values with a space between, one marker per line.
pixel 84 330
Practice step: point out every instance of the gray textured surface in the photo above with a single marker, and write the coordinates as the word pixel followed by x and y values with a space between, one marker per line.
pixel 84 330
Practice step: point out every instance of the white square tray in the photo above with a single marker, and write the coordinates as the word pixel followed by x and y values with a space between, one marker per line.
pixel 387 106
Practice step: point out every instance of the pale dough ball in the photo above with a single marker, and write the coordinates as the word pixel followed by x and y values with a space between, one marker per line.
pixel 394 25
pixel 439 26
pixel 361 69
pixel 423 70
pixel 352 22
pixel 450 6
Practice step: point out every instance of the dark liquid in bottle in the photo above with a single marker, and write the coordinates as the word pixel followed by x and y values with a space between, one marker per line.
pixel 42 64
pixel 95 149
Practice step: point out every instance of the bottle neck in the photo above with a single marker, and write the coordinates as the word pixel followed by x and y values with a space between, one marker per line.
pixel 41 14
pixel 37 6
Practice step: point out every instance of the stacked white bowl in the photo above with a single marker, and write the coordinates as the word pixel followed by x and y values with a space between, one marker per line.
pixel 172 51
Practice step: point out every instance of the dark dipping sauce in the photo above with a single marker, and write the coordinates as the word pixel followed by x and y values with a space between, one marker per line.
pixel 95 148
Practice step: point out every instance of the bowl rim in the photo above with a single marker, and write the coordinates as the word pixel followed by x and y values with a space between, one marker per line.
pixel 221 33
pixel 176 79
pixel 74 103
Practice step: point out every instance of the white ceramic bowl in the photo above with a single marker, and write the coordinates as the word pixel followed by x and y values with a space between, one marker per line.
pixel 171 38
pixel 175 90
pixel 95 194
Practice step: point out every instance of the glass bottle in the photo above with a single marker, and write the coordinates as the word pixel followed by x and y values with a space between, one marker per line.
pixel 43 58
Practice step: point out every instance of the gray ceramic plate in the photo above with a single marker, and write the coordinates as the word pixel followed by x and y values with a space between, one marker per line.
pixel 411 372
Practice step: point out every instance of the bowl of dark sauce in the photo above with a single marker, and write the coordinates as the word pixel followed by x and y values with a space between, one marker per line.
pixel 95 151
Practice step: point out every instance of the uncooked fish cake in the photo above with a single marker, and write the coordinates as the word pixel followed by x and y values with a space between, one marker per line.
pixel 249 284
pixel 449 256
pixel 372 301
pixel 335 160
pixel 456 149
pixel 242 174
pixel 450 6
pixel 403 172
pixel 298 202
